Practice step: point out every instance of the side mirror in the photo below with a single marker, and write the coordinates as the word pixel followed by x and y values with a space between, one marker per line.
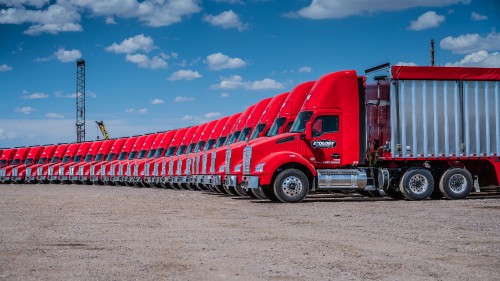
pixel 308 131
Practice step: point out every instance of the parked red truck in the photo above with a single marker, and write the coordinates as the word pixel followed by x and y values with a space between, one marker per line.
pixel 33 158
pixel 102 154
pixel 54 170
pixel 65 169
pixel 98 170
pixel 40 175
pixel 150 168
pixel 436 128
pixel 7 156
pixel 109 169
pixel 147 151
pixel 121 165
pixel 74 170
pixel 19 157
pixel 47 155
pixel 179 181
pixel 161 168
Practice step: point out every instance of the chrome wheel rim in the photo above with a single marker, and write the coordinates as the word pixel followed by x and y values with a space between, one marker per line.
pixel 292 186
pixel 418 184
pixel 457 183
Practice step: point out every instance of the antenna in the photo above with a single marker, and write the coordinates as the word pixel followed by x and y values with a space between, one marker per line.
pixel 80 100
pixel 432 52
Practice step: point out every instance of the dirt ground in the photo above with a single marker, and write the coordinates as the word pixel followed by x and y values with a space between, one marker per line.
pixel 60 232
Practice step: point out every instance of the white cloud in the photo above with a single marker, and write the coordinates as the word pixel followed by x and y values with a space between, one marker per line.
pixel 54 116
pixel 469 43
pixel 56 18
pixel 184 75
pixel 110 20
pixel 226 20
pixel 477 17
pixel 230 1
pixel 481 58
pixel 402 63
pixel 337 9
pixel 143 61
pixel 142 110
pixel 212 115
pixel 157 101
pixel 224 95
pixel 237 82
pixel 67 55
pixel 60 94
pixel 305 69
pixel 182 99
pixel 187 117
pixel 25 109
pixel 220 61
pixel 34 96
pixel 427 20
pixel 4 68
pixel 132 45
pixel 129 110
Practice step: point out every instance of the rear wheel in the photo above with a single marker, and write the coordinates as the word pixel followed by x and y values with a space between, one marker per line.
pixel 291 186
pixel 416 184
pixel 455 183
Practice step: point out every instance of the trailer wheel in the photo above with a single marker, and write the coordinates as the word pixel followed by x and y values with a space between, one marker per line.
pixel 455 183
pixel 416 184
pixel 291 186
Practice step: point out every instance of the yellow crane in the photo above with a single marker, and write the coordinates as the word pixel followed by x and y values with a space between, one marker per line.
pixel 104 132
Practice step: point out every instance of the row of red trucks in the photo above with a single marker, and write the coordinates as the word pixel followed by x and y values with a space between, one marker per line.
pixel 414 133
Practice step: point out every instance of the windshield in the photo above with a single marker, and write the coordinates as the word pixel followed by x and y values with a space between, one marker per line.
pixel 256 132
pixel 220 142
pixel 159 152
pixel 132 155
pixel 28 161
pixel 199 146
pixel 170 151
pixel 111 157
pixel 66 159
pixel 190 148
pixel 151 153
pixel 142 154
pixel 78 158
pixel 181 150
pixel 3 162
pixel 299 125
pixel 89 157
pixel 99 157
pixel 15 162
pixel 275 128
pixel 209 144
pixel 122 155
pixel 232 138
pixel 244 134
pixel 42 160
pixel 54 160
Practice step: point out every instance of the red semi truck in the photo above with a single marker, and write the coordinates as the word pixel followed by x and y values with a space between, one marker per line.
pixel 121 166
pixel 95 175
pixel 206 163
pixel 234 153
pixel 423 131
pixel 33 158
pixel 74 170
pixel 19 157
pixel 7 156
pixel 179 181
pixel 102 154
pixel 47 155
pixel 212 180
pixel 132 166
pixel 109 169
pixel 40 175
pixel 161 166
pixel 53 170
pixel 65 169
pixel 147 171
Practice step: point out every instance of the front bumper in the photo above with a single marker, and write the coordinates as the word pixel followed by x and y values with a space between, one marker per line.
pixel 230 181
pixel 250 182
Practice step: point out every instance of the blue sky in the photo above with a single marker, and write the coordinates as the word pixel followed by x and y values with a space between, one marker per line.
pixel 156 65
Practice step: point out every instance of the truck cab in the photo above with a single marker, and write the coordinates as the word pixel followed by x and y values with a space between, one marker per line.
pixel 65 169
pixel 33 158
pixel 119 168
pixel 147 151
pixel 179 161
pixel 19 157
pixel 102 154
pixel 40 175
pixel 161 167
pixel 7 157
pixel 149 170
pixel 47 155
pixel 98 170
pixel 76 169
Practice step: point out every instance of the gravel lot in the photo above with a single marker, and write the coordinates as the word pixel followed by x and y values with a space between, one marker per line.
pixel 61 232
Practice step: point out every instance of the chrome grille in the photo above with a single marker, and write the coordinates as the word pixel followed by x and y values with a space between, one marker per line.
pixel 120 170
pixel 28 172
pixel 61 170
pixel 50 171
pixel 163 168
pixel 187 170
pixel 204 164
pixel 80 170
pixel 39 171
pixel 228 161
pixel 92 170
pixel 179 167
pixel 197 164
pixel 247 156
pixel 171 168
pixel 129 170
pixel 212 167
pixel 2 172
pixel 71 170
pixel 136 169
pixel 14 172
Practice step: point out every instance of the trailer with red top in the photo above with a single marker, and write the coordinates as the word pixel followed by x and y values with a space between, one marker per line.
pixel 416 133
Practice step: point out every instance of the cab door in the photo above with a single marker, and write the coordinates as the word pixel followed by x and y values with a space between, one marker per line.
pixel 325 146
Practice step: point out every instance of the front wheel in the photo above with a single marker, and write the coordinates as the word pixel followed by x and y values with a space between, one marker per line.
pixel 455 183
pixel 291 186
pixel 416 184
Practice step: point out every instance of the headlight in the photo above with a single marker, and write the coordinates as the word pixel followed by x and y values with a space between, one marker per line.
pixel 237 168
pixel 260 167
pixel 221 168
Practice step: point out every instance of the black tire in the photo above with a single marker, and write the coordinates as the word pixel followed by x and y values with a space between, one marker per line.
pixel 393 193
pixel 269 193
pixel 259 193
pixel 455 183
pixel 291 186
pixel 416 184
pixel 240 191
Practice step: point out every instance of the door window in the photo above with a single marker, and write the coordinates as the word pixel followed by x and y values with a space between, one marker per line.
pixel 325 124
